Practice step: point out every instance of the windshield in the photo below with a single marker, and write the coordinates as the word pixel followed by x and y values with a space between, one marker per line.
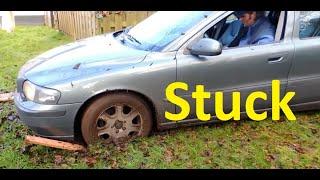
pixel 161 28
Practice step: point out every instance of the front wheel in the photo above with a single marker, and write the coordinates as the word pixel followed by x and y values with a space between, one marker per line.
pixel 118 117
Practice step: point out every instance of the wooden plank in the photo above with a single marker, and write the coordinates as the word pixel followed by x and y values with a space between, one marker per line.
pixel 130 18
pixel 76 25
pixel 97 25
pixel 91 22
pixel 123 20
pixel 94 23
pixel 81 24
pixel 70 23
pixel 62 22
pixel 54 143
pixel 65 19
pixel 141 16
pixel 6 97
pixel 59 20
pixel 106 24
pixel 56 20
pixel 86 24
pixel 66 22
pixel 74 21
pixel 118 20
pixel 111 22
pixel 47 18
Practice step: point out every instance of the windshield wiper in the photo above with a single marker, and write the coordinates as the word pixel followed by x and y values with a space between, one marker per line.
pixel 131 38
pixel 125 32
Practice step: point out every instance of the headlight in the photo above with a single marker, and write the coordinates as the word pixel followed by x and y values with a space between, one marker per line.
pixel 39 94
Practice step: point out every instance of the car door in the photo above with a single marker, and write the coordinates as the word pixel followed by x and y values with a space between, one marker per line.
pixel 244 69
pixel 304 77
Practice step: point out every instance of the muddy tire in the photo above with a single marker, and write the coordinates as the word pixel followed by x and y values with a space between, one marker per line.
pixel 117 118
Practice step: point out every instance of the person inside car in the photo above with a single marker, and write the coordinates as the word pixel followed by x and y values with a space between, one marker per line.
pixel 251 28
pixel 260 29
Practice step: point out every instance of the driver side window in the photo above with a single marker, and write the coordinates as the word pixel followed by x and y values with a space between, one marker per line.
pixel 225 31
pixel 220 28
pixel 231 32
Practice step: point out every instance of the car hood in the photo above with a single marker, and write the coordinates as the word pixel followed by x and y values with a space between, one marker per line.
pixel 81 58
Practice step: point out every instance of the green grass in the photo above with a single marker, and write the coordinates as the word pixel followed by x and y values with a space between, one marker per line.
pixel 243 144
pixel 21 45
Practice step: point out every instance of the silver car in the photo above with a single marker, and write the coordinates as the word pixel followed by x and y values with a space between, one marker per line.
pixel 111 87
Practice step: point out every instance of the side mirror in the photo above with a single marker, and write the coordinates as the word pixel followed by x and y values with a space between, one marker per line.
pixel 206 47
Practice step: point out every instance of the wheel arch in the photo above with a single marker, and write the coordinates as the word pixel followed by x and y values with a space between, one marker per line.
pixel 77 123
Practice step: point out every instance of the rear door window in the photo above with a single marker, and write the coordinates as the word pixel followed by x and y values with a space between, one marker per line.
pixel 309 22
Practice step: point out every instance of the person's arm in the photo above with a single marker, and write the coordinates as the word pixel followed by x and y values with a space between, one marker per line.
pixel 266 39
pixel 267 36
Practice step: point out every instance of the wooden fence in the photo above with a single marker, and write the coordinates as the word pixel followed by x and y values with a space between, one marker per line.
pixel 116 20
pixel 82 24
pixel 77 24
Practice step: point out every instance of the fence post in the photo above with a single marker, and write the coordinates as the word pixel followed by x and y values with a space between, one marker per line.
pixel 8 21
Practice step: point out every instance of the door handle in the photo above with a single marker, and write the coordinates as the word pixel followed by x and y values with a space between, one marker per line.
pixel 275 59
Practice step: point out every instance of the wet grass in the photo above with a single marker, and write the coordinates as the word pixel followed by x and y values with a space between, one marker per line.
pixel 243 144
pixel 21 45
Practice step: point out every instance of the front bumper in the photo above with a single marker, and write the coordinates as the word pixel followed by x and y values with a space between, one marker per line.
pixel 52 121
